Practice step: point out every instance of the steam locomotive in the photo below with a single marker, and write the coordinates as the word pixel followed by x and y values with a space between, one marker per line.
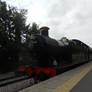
pixel 51 57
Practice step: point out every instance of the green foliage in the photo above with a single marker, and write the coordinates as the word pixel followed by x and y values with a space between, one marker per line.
pixel 34 29
pixel 12 30
pixel 64 39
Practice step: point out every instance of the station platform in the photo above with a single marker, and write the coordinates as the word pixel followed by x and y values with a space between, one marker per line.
pixel 76 80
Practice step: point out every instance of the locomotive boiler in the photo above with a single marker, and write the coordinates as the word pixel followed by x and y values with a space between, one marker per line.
pixel 63 52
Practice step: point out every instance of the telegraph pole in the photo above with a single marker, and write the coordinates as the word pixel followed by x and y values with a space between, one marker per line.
pixel 0 3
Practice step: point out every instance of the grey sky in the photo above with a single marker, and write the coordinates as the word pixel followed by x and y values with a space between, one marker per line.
pixel 70 18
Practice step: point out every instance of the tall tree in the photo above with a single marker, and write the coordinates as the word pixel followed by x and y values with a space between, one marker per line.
pixel 12 27
pixel 34 29
pixel 13 30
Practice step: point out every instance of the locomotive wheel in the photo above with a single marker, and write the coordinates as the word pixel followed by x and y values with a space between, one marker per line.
pixel 19 73
pixel 42 76
pixel 32 81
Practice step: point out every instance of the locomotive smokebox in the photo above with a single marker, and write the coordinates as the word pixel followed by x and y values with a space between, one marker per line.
pixel 44 31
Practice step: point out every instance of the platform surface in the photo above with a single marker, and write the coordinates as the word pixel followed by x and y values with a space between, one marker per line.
pixel 85 84
pixel 76 80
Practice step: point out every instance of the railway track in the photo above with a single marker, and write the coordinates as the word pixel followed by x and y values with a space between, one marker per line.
pixel 6 76
pixel 14 84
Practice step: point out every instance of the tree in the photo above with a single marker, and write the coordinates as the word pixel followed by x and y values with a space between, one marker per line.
pixel 34 29
pixel 13 30
pixel 12 27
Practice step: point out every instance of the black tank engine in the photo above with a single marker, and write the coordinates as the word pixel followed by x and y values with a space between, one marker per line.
pixel 50 56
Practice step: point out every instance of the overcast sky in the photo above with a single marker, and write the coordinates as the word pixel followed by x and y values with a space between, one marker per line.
pixel 69 18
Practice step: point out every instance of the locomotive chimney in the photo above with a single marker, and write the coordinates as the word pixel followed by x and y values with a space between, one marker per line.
pixel 44 31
